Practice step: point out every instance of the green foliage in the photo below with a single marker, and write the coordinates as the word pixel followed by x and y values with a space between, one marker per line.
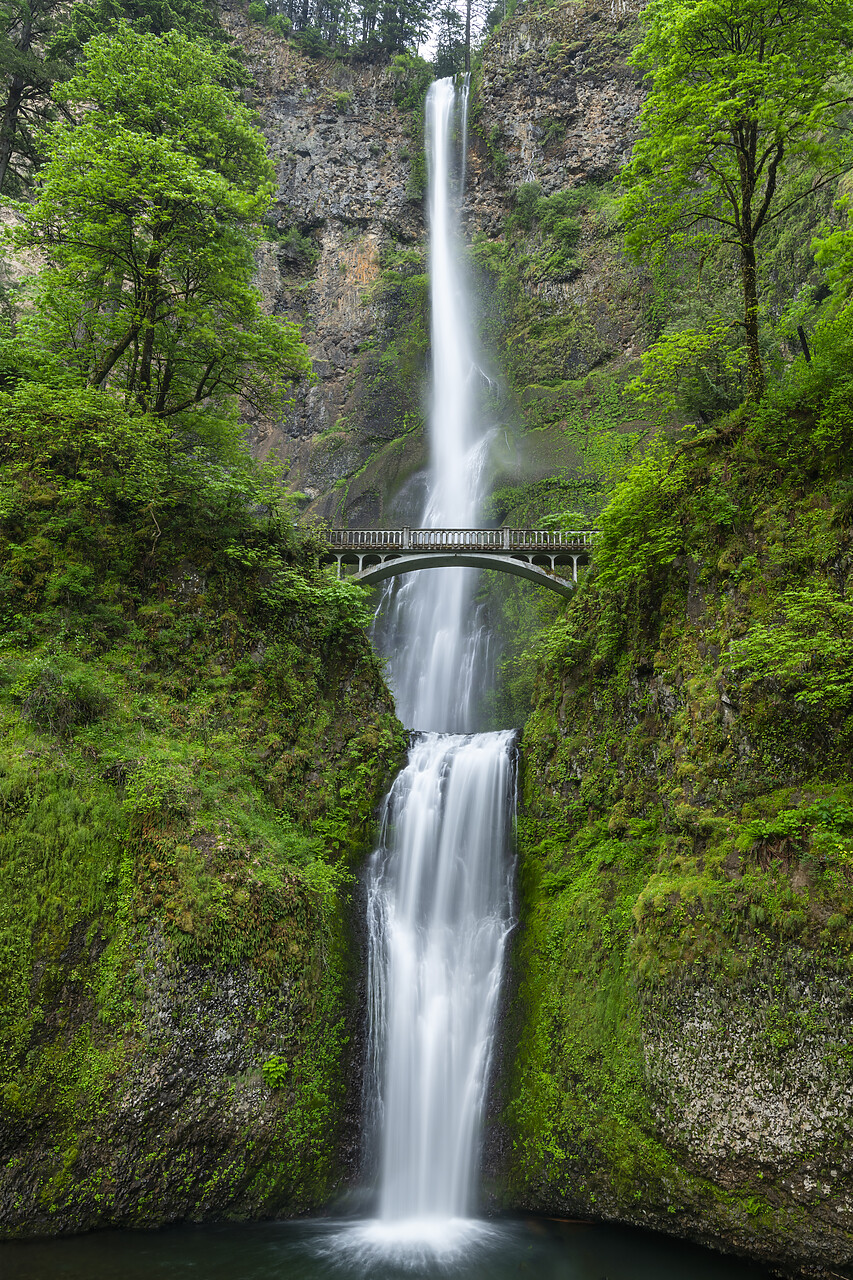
pixel 312 42
pixel 689 370
pixel 146 213
pixel 298 248
pixel 193 18
pixel 803 652
pixel 805 424
pixel 275 1072
pixel 640 530
pixel 835 252
pixel 26 75
pixel 39 43
pixel 449 56
pixel 553 217
pixel 412 77
pixel 56 694
pixel 194 739
pixel 744 101
pixel 686 819
pixel 155 788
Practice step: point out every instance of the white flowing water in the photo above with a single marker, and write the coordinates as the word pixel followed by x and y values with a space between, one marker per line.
pixel 438 913
pixel 439 888
pixel 438 651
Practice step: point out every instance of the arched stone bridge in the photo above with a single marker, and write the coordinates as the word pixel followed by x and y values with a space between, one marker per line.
pixel 550 559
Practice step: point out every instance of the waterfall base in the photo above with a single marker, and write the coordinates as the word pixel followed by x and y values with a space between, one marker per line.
pixel 335 1250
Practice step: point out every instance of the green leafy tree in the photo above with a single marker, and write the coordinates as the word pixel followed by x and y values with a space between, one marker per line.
pixel 39 42
pixel 741 94
pixel 147 213
pixel 193 18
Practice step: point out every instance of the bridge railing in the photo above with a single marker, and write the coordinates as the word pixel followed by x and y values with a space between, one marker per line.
pixel 505 539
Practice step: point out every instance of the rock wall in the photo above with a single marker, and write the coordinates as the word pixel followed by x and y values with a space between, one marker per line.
pixel 557 102
pixel 344 154
pixel 682 1055
pixel 554 103
pixel 192 755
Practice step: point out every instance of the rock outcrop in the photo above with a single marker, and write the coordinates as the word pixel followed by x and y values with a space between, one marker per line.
pixel 555 103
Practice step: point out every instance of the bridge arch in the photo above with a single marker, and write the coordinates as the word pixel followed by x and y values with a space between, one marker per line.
pixel 391 568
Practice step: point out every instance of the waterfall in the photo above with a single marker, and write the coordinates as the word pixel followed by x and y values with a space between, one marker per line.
pixel 436 647
pixel 438 916
pixel 439 884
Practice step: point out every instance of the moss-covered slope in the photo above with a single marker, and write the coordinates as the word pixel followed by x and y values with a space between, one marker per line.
pixel 684 1056
pixel 195 735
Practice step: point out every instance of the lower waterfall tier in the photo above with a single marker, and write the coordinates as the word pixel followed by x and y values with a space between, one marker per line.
pixel 439 911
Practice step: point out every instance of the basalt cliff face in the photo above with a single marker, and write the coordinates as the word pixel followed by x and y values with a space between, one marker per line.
pixel 554 104
pixel 679 1046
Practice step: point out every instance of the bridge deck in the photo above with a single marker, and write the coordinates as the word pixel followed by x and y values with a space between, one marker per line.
pixel 499 541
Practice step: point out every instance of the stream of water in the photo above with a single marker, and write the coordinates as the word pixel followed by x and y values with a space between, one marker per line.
pixel 440 885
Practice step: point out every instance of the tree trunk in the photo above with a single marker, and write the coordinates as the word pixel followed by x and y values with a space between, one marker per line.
pixel 9 127
pixel 468 34
pixel 749 279
pixel 745 139
pixel 102 371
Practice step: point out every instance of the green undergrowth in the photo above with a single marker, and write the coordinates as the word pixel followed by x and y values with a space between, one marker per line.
pixel 195 736
pixel 687 815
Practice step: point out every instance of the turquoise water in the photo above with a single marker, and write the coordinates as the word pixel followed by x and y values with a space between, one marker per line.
pixel 329 1250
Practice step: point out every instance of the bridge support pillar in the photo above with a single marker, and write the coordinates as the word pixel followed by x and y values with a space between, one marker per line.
pixel 407 539
pixel 505 532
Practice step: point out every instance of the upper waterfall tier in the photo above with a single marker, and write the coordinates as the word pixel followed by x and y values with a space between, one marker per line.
pixel 438 651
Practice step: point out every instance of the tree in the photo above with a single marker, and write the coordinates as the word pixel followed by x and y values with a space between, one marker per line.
pixel 147 212
pixel 193 18
pixel 368 26
pixel 449 56
pixel 27 76
pixel 742 93
pixel 39 41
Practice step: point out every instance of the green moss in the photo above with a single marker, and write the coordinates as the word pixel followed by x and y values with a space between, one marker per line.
pixel 194 743
pixel 686 828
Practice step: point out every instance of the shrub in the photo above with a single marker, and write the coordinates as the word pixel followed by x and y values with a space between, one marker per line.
pixel 275 1072
pixel 690 372
pixel 57 693
pixel 640 526
pixel 157 786
pixel 311 41
pixel 298 248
